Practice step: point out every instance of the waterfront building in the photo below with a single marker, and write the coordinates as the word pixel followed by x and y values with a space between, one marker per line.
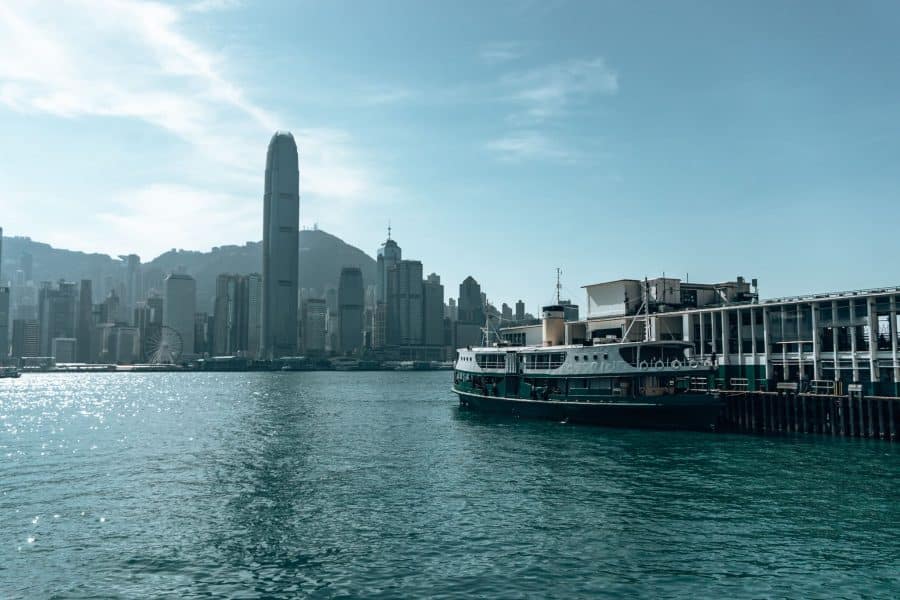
pixel 351 298
pixel 204 326
pixel 826 340
pixel 179 308
pixel 56 310
pixel 236 315
pixel 506 312
pixel 26 338
pixel 84 328
pixel 63 350
pixel 281 218
pixel 433 311
pixel 520 311
pixel 314 325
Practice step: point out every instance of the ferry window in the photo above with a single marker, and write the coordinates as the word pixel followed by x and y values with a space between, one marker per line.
pixel 576 358
pixel 491 361
pixel 595 358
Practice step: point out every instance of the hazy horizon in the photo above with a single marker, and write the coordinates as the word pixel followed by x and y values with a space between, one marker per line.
pixel 500 141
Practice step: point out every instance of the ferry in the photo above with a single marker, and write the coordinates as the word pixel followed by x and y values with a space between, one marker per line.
pixel 644 384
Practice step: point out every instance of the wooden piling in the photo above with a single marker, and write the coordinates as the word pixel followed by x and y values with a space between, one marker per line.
pixel 832 418
pixel 850 415
pixel 891 418
pixel 880 403
pixel 871 428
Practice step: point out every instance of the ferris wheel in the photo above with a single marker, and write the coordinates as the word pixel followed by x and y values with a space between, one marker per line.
pixel 164 346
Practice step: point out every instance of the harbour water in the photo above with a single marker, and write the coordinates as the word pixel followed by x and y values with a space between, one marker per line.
pixel 267 485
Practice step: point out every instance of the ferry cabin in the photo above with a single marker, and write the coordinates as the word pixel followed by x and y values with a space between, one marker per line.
pixel 576 373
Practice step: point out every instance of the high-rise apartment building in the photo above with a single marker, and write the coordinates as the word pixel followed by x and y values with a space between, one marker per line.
pixel 520 311
pixel 179 306
pixel 281 218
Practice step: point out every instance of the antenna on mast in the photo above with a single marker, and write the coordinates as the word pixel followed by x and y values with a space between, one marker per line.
pixel 558 284
pixel 389 229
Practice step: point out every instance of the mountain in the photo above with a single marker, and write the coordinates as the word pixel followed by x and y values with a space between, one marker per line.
pixel 322 256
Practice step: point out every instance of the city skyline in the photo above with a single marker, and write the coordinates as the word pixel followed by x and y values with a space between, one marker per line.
pixel 624 122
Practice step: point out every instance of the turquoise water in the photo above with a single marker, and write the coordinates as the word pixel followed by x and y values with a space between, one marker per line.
pixel 377 485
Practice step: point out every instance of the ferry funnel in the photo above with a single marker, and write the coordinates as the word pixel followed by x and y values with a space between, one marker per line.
pixel 554 319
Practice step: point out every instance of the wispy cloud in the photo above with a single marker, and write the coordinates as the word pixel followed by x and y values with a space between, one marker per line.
pixel 383 95
pixel 528 145
pixel 494 53
pixel 133 60
pixel 549 91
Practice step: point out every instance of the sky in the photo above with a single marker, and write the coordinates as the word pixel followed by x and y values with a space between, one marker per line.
pixel 501 140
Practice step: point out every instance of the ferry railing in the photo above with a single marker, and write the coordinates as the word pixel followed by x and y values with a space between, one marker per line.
pixel 821 386
pixel 699 384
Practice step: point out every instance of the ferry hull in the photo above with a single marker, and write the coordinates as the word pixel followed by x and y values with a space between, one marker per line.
pixel 692 412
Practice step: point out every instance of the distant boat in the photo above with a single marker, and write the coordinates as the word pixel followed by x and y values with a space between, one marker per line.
pixel 9 372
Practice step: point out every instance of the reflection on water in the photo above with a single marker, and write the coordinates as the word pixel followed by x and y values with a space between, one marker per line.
pixel 376 484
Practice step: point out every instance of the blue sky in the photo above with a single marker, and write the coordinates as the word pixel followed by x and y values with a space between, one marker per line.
pixel 502 140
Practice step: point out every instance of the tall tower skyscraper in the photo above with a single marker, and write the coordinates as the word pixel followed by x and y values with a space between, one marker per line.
pixel 281 218
pixel 389 254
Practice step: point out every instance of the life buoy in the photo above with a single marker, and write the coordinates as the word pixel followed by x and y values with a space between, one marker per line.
pixel 676 364
pixel 659 364
pixel 644 365
pixel 707 363
pixel 694 364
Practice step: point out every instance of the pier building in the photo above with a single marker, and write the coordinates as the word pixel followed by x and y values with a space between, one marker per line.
pixel 829 343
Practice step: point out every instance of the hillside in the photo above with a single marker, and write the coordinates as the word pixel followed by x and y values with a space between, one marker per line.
pixel 322 256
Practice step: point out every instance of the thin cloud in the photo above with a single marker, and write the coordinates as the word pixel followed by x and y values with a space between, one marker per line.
pixel 527 145
pixel 549 91
pixel 495 53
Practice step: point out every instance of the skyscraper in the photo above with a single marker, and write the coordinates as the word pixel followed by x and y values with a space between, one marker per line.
pixel 85 325
pixel 350 309
pixel 405 302
pixel 433 310
pixel 520 310
pixel 314 319
pixel 236 315
pixel 56 313
pixel 470 311
pixel 281 218
pixel 389 254
pixel 179 306
pixel 133 281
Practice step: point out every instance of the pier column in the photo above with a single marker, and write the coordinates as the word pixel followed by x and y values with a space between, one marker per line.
pixel 740 343
pixel 725 332
pixel 803 416
pixel 862 421
pixel 853 358
pixel 850 415
pixel 765 325
pixel 880 418
pixel 817 367
pixel 785 370
pixel 894 335
pixel 890 410
pixel 834 342
pixel 873 340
